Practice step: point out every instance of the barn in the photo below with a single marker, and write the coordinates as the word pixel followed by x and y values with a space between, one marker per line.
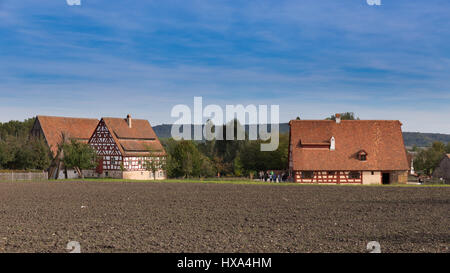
pixel 443 169
pixel 53 130
pixel 126 147
pixel 347 151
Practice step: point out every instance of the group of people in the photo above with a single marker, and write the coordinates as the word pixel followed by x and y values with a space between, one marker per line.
pixel 271 176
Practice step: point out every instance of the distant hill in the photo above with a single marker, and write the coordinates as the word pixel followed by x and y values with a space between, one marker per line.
pixel 163 131
pixel 423 139
pixel 410 138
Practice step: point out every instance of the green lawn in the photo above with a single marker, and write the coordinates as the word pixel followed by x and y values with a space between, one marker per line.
pixel 242 182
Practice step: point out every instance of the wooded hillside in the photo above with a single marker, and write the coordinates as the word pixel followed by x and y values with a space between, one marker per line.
pixel 410 138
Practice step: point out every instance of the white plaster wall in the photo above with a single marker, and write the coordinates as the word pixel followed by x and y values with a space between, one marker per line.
pixel 71 174
pixel 143 175
pixel 370 179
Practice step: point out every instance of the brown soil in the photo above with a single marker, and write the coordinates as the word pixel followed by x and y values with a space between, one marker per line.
pixel 194 217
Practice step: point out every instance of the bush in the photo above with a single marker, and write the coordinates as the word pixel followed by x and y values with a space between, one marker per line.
pixel 79 156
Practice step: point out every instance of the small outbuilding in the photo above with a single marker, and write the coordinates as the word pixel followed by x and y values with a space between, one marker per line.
pixel 443 169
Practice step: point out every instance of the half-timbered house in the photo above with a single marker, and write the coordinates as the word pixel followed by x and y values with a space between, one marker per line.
pixel 347 151
pixel 126 149
pixel 55 130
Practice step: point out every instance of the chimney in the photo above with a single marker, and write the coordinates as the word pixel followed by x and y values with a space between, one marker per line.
pixel 338 118
pixel 129 120
pixel 332 144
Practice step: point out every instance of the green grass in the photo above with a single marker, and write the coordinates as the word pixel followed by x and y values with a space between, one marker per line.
pixel 233 181
pixel 239 182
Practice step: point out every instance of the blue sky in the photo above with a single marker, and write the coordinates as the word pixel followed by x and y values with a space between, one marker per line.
pixel 313 58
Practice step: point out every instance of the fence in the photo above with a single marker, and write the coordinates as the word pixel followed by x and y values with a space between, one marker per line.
pixel 436 181
pixel 23 176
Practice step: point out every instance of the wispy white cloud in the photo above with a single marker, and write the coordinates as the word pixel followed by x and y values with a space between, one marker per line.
pixel 314 57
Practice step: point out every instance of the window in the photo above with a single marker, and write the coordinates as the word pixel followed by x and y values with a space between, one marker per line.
pixel 373 172
pixel 362 155
pixel 113 161
pixel 331 173
pixel 307 175
pixel 354 175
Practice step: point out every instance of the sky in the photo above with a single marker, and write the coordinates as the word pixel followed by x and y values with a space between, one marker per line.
pixel 312 58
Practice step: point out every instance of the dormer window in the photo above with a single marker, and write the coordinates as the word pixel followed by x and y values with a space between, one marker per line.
pixel 362 155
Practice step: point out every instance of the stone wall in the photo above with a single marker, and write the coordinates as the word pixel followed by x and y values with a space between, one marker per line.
pixel 400 177
pixel 105 174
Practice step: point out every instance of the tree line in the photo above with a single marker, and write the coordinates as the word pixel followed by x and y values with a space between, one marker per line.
pixel 20 152
pixel 185 158
pixel 189 159
pixel 426 160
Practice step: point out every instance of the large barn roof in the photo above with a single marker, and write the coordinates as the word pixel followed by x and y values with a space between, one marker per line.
pixel 381 140
pixel 53 128
pixel 136 140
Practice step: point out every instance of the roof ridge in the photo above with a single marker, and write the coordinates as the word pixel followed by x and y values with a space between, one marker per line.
pixel 346 120
pixel 45 116
pixel 124 118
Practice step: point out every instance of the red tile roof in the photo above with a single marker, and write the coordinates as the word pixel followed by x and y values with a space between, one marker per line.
pixel 53 127
pixel 381 139
pixel 134 141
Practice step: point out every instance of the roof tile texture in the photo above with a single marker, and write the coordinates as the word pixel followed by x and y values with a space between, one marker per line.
pixel 381 139
pixel 134 141
pixel 54 127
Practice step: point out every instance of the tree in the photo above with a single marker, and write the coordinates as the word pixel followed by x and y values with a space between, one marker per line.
pixel 253 159
pixel 185 160
pixel 16 128
pixel 79 156
pixel 154 163
pixel 238 167
pixel 227 150
pixel 40 153
pixel 428 159
pixel 21 153
pixel 6 155
pixel 344 116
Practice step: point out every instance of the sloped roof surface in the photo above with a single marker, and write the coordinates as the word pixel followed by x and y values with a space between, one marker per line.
pixel 382 140
pixel 135 141
pixel 54 127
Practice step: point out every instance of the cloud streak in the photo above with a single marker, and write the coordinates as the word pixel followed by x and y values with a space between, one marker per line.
pixel 311 57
